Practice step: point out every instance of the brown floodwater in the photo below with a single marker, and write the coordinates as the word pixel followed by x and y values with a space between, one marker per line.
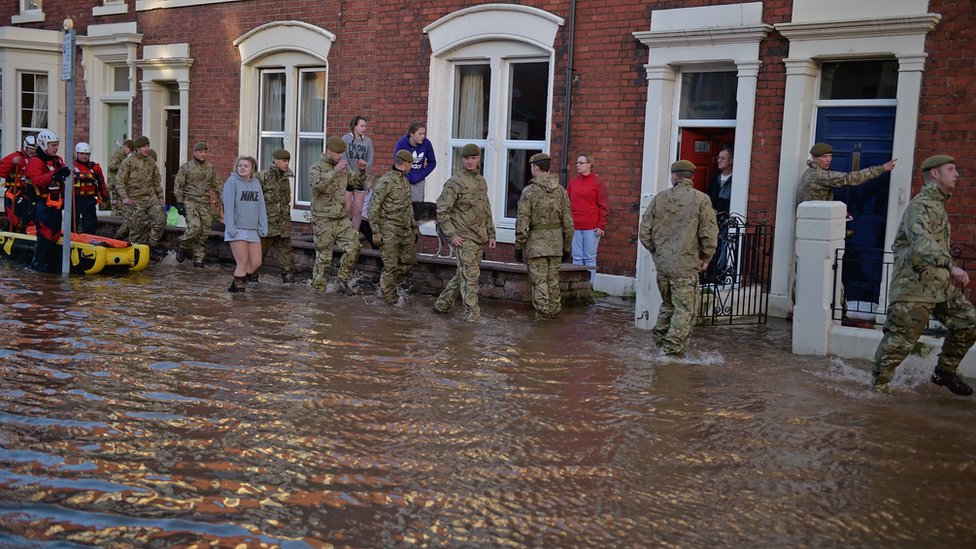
pixel 155 409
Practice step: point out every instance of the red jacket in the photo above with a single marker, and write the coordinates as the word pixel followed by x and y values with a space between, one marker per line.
pixel 588 202
pixel 13 173
pixel 89 181
pixel 41 170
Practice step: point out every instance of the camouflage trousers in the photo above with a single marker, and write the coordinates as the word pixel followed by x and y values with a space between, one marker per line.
pixel 147 219
pixel 907 321
pixel 399 254
pixel 329 233
pixel 464 282
pixel 199 219
pixel 283 250
pixel 679 295
pixel 544 278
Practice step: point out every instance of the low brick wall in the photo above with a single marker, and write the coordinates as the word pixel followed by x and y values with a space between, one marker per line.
pixel 498 280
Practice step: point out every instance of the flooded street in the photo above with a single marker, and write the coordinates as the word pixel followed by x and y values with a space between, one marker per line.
pixel 155 409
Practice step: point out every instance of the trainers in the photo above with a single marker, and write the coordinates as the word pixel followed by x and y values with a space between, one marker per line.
pixel 180 255
pixel 253 277
pixel 951 381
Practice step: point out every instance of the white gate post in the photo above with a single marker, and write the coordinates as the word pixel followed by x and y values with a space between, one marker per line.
pixel 820 227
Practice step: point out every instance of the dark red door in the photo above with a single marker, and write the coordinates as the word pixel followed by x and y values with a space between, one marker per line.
pixel 701 146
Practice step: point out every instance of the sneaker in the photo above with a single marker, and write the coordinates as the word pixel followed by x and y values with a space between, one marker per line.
pixel 951 381
pixel 253 277
pixel 180 255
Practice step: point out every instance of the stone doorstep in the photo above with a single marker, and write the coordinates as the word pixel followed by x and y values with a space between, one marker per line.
pixel 499 280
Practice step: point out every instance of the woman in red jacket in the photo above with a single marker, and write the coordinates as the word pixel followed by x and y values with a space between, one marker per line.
pixel 588 203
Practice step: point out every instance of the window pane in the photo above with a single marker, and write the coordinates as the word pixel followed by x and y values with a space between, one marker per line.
pixel 272 102
pixel 311 116
pixel 708 95
pixel 267 146
pixel 33 100
pixel 120 76
pixel 27 5
pixel 457 166
pixel 529 99
pixel 471 102
pixel 309 152
pixel 859 80
pixel 518 177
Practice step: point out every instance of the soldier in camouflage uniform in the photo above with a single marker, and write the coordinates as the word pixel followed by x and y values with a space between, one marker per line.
pixel 197 189
pixel 329 178
pixel 394 229
pixel 464 216
pixel 680 231
pixel 544 234
pixel 115 201
pixel 926 283
pixel 818 182
pixel 140 189
pixel 277 199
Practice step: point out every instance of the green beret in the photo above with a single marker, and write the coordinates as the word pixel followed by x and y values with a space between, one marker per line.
pixel 403 155
pixel 936 161
pixel 538 157
pixel 683 166
pixel 140 142
pixel 470 150
pixel 336 144
pixel 821 149
pixel 200 146
pixel 129 143
pixel 281 154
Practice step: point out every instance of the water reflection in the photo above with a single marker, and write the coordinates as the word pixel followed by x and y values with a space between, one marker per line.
pixel 156 409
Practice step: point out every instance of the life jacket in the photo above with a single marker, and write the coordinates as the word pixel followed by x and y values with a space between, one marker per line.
pixel 86 181
pixel 17 180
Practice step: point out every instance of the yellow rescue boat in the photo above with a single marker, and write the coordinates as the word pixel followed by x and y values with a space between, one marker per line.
pixel 90 254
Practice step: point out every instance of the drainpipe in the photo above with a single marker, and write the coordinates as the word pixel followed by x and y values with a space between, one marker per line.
pixel 569 91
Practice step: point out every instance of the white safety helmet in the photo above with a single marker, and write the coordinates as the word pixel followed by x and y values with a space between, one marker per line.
pixel 46 137
pixel 83 147
pixel 30 142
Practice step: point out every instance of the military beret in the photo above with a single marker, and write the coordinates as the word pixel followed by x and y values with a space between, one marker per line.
pixel 683 166
pixel 936 161
pixel 281 154
pixel 200 146
pixel 336 144
pixel 140 142
pixel 403 155
pixel 152 153
pixel 821 149
pixel 470 150
pixel 129 143
pixel 538 157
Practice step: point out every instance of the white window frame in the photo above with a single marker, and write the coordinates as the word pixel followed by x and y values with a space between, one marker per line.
pixel 25 130
pixel 146 5
pixel 679 123
pixel 110 7
pixel 28 14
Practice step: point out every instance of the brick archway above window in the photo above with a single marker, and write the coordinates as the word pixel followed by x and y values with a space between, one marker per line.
pixel 284 36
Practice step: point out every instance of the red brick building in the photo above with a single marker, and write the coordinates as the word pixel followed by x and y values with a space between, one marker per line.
pixel 634 83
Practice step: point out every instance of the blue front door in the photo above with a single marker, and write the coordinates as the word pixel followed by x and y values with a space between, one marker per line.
pixel 861 137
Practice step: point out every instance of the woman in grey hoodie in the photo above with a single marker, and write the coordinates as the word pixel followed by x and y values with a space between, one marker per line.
pixel 245 220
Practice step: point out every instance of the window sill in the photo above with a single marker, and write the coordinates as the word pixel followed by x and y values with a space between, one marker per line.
pixel 110 9
pixel 28 17
pixel 146 5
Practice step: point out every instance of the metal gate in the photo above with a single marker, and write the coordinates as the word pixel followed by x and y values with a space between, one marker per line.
pixel 734 289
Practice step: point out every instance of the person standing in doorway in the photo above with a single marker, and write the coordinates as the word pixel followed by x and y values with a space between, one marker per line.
pixel 588 201
pixel 424 161
pixel 679 230
pixel 198 193
pixel 329 178
pixel 544 234
pixel 359 155
pixel 394 230
pixel 277 199
pixel 89 188
pixel 245 220
pixel 818 181
pixel 927 283
pixel 720 193
pixel 464 215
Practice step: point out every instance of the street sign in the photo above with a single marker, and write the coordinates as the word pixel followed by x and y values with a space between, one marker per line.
pixel 68 56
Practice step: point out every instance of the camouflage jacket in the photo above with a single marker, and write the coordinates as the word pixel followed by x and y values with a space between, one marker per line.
pixel 923 261
pixel 679 229
pixel 544 224
pixel 277 200
pixel 197 182
pixel 391 205
pixel 818 184
pixel 115 163
pixel 463 209
pixel 139 180
pixel 328 189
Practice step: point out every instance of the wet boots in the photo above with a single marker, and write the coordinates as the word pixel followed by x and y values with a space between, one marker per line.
pixel 951 381
pixel 238 285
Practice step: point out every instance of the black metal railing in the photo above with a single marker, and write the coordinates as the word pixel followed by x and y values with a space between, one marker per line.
pixel 734 289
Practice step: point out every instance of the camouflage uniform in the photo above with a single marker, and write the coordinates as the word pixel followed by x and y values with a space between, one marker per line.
pixel 330 225
pixel 277 199
pixel 118 208
pixel 680 231
pixel 197 186
pixel 544 231
pixel 922 287
pixel 139 181
pixel 391 217
pixel 817 183
pixel 463 210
